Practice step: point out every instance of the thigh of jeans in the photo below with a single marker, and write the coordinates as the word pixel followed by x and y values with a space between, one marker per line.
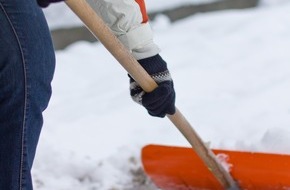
pixel 26 70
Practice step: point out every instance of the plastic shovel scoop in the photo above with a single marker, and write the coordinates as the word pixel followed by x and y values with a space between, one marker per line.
pixel 179 168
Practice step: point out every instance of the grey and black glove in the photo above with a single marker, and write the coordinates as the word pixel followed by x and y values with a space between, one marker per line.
pixel 45 3
pixel 160 101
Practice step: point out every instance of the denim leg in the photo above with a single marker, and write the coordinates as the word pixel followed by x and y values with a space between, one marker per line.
pixel 26 69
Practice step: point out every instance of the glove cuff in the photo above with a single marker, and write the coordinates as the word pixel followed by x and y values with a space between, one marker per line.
pixel 156 67
pixel 154 64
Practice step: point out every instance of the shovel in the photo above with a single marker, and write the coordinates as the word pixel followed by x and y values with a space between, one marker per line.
pixel 180 168
pixel 206 156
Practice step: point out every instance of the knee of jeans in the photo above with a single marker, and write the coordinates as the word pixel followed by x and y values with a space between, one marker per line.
pixel 40 77
pixel 39 74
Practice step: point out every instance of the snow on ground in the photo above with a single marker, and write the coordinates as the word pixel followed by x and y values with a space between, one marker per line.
pixel 232 76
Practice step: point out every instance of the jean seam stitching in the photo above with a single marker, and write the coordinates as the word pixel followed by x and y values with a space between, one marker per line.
pixel 25 95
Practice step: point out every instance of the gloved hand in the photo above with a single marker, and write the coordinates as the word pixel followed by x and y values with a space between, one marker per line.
pixel 45 3
pixel 160 101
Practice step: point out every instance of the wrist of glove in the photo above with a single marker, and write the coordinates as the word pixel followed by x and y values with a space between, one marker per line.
pixel 160 101
pixel 45 3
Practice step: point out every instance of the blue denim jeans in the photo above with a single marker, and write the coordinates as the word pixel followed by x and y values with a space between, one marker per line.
pixel 27 64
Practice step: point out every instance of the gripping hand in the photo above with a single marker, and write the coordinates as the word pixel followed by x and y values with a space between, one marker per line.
pixel 160 101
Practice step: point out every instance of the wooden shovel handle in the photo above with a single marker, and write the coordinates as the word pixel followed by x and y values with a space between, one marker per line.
pixel 103 33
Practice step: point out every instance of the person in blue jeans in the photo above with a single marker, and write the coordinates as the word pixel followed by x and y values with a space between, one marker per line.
pixel 27 63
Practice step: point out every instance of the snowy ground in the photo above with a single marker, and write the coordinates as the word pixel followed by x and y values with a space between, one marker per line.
pixel 232 76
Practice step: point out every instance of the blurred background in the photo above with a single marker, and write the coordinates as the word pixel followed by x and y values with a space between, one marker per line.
pixel 67 29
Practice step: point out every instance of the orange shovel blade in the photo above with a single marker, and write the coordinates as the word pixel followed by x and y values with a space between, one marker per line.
pixel 179 168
